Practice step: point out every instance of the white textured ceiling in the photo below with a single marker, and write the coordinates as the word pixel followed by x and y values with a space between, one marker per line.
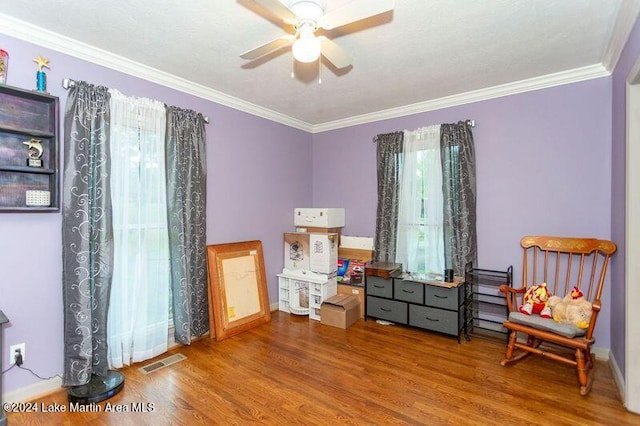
pixel 423 50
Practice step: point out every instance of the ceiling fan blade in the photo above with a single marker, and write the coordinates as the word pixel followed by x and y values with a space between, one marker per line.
pixel 354 11
pixel 278 9
pixel 334 53
pixel 269 47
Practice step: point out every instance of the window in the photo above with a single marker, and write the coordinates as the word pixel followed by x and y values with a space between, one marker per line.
pixel 138 309
pixel 426 215
pixel 420 241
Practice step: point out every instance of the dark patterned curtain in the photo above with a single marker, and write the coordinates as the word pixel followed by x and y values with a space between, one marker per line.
pixel 459 189
pixel 389 164
pixel 87 234
pixel 186 201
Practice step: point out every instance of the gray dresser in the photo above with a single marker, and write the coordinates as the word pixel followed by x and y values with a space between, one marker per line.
pixel 417 304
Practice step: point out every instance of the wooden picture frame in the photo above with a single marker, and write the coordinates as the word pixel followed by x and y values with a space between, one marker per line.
pixel 238 295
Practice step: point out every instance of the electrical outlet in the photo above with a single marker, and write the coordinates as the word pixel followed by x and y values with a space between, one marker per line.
pixel 13 351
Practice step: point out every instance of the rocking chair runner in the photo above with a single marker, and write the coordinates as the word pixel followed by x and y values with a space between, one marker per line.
pixel 562 263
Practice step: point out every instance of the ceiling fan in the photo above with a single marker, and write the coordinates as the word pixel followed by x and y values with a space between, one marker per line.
pixel 306 17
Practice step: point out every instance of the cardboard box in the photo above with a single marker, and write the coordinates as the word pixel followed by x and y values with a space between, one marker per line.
pixel 322 218
pixel 296 251
pixel 362 243
pixel 349 253
pixel 317 230
pixel 324 253
pixel 311 252
pixel 340 311
pixel 356 291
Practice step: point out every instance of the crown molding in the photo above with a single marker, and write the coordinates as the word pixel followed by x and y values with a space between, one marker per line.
pixel 528 85
pixel 627 16
pixel 54 41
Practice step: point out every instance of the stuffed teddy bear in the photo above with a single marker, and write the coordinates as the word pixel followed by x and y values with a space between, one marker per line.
pixel 572 309
pixel 535 300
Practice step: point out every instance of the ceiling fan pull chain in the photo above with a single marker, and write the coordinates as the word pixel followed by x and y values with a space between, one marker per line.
pixel 293 61
pixel 320 70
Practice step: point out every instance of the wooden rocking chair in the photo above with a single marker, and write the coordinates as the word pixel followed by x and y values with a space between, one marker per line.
pixel 562 263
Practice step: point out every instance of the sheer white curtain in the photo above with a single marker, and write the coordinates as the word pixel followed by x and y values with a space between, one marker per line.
pixel 420 242
pixel 138 317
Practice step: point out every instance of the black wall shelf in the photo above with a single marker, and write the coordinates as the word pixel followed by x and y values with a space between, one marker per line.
pixel 26 115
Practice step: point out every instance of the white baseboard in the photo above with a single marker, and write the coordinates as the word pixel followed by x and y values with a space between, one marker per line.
pixel 273 307
pixel 601 354
pixel 617 375
pixel 33 391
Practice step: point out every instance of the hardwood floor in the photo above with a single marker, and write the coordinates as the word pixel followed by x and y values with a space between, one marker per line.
pixel 296 371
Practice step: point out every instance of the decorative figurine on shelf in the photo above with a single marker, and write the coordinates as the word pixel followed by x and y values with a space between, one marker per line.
pixel 41 77
pixel 34 149
pixel 4 64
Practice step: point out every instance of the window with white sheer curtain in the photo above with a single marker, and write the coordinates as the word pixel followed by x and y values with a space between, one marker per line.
pixel 138 317
pixel 420 241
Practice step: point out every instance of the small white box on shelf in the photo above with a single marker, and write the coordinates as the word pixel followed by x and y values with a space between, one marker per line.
pixel 319 217
pixel 38 198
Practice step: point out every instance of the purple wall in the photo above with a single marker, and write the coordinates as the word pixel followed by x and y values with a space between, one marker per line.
pixel 543 167
pixel 543 164
pixel 628 58
pixel 258 172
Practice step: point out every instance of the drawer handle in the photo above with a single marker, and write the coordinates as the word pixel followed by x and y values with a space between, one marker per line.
pixel 385 310
pixel 440 297
pixel 378 286
pixel 431 319
pixel 407 291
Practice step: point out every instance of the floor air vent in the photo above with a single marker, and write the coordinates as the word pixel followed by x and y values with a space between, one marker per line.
pixel 164 362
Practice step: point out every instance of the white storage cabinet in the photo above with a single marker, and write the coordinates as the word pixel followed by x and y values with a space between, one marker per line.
pixel 293 285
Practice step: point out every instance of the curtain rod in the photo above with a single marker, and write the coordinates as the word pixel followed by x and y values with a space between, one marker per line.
pixel 471 123
pixel 67 83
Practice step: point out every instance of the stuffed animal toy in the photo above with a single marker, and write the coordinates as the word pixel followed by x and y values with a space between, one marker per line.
pixel 572 309
pixel 535 301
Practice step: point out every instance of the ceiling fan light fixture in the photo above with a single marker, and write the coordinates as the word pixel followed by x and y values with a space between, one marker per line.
pixel 307 47
pixel 306 17
pixel 307 9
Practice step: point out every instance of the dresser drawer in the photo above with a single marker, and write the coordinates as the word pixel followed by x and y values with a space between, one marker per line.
pixel 408 291
pixel 377 286
pixel 434 319
pixel 442 297
pixel 389 310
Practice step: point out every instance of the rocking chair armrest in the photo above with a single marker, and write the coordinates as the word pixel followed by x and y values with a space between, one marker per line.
pixel 596 305
pixel 508 289
pixel 510 293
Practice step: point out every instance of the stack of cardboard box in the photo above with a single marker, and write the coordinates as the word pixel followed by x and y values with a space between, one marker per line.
pixel 310 261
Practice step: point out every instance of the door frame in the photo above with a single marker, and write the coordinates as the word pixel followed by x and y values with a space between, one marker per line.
pixel 632 243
